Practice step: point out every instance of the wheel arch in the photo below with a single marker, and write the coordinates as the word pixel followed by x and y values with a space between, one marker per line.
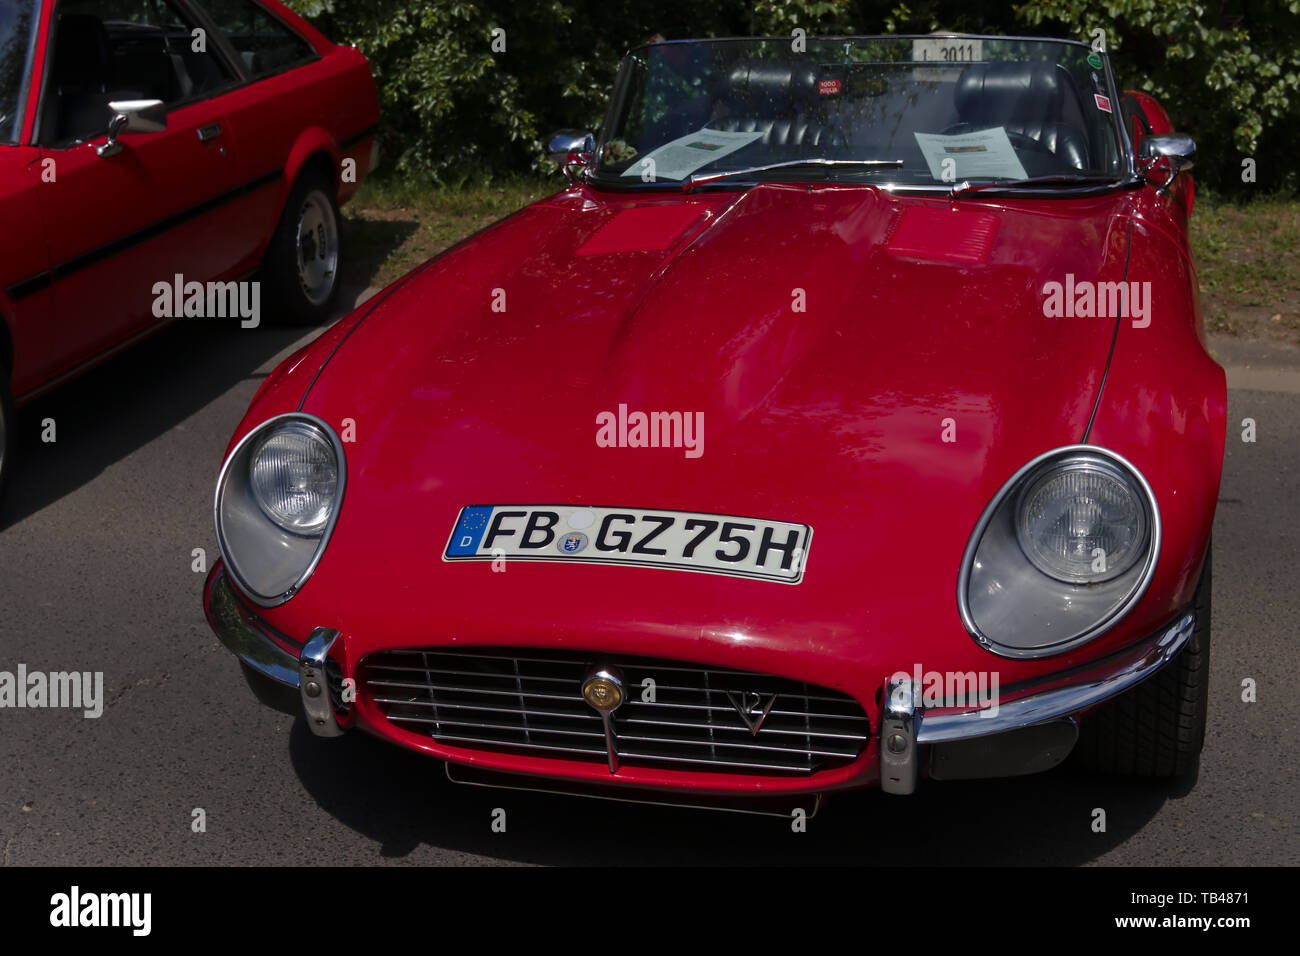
pixel 313 150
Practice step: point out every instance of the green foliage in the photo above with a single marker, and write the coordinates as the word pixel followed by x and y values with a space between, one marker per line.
pixel 1227 73
pixel 453 109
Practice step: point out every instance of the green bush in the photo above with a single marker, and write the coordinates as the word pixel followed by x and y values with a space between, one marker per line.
pixel 454 109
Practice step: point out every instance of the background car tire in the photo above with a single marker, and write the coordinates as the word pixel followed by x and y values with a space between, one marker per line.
pixel 302 265
pixel 1157 728
pixel 8 432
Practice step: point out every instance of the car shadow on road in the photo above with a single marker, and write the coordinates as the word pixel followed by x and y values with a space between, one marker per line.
pixel 116 408
pixel 369 243
pixel 402 800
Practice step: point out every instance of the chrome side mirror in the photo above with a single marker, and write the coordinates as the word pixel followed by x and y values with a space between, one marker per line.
pixel 1178 148
pixel 572 150
pixel 132 116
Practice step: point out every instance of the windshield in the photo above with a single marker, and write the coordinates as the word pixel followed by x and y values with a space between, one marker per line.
pixel 17 34
pixel 922 111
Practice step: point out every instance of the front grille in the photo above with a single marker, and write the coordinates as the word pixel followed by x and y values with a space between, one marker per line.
pixel 530 701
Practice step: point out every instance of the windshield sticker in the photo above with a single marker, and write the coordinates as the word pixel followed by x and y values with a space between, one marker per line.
pixel 1103 102
pixel 683 156
pixel 828 87
pixel 987 153
pixel 1094 61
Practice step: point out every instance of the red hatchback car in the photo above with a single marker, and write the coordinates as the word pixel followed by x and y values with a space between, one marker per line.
pixel 846 421
pixel 152 148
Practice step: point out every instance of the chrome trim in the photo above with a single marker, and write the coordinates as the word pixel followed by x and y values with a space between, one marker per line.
pixel 313 683
pixel 898 724
pixel 1178 148
pixel 939 34
pixel 610 675
pixel 237 630
pixel 253 595
pixel 1062 694
pixel 1013 484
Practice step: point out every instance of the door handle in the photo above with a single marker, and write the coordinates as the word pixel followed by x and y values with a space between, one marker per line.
pixel 211 131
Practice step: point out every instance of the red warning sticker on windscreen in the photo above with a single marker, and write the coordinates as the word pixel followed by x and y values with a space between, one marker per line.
pixel 828 87
pixel 1103 102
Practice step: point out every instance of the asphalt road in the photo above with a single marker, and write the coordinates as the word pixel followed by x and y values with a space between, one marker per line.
pixel 96 574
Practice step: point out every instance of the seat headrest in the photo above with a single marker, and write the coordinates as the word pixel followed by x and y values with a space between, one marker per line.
pixel 770 82
pixel 1006 90
pixel 81 53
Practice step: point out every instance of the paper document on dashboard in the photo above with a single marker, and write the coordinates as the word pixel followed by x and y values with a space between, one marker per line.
pixel 681 157
pixel 987 153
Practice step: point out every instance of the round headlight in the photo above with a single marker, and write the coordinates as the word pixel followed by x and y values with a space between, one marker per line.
pixel 293 473
pixel 1065 549
pixel 1081 522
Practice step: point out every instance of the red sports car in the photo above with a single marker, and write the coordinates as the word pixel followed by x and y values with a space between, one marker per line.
pixel 154 155
pixel 846 421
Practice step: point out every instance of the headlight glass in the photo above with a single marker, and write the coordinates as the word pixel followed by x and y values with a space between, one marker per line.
pixel 277 500
pixel 1083 523
pixel 1065 548
pixel 294 477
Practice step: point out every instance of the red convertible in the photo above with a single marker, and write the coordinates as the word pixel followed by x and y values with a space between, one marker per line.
pixel 846 422
pixel 154 156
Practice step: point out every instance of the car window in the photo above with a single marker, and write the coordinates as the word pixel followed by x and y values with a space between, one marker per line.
pixel 908 110
pixel 17 36
pixel 264 43
pixel 106 50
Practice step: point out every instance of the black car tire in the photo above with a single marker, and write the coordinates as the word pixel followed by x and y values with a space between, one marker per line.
pixel 301 268
pixel 8 432
pixel 1157 728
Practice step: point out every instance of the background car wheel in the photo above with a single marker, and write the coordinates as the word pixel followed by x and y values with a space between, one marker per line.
pixel 1157 728
pixel 8 432
pixel 301 268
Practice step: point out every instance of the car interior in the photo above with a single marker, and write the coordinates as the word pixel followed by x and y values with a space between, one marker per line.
pixel 96 62
pixel 875 109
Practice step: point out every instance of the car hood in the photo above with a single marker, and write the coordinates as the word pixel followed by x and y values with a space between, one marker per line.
pixel 872 365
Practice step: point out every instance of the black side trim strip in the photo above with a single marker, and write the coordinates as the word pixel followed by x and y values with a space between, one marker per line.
pixel 89 258
pixel 359 136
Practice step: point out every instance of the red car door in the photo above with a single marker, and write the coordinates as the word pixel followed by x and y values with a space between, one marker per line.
pixel 121 224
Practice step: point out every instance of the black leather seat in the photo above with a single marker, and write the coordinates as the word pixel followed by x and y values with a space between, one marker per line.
pixel 1027 99
pixel 81 75
pixel 777 99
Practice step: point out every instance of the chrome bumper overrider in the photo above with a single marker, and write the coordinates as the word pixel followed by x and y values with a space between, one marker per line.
pixel 905 726
pixel 263 659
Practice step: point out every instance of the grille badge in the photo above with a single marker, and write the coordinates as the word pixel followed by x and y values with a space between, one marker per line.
pixel 753 708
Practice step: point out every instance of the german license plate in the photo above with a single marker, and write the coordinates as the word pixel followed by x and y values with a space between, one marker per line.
pixel 684 540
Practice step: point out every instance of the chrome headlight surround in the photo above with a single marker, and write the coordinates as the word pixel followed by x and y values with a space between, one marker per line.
pixel 1011 605
pixel 267 559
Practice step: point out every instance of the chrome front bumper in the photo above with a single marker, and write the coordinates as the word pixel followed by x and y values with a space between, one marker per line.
pixel 293 685
pixel 278 677
pixel 905 726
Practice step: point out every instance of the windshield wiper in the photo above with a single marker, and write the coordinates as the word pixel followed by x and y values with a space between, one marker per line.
pixel 692 180
pixel 1063 179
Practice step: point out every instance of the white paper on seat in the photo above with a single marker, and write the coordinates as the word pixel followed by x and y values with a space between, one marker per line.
pixel 681 157
pixel 987 153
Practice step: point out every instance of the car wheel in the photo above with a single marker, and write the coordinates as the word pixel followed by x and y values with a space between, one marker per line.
pixel 1157 728
pixel 302 264
pixel 8 433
